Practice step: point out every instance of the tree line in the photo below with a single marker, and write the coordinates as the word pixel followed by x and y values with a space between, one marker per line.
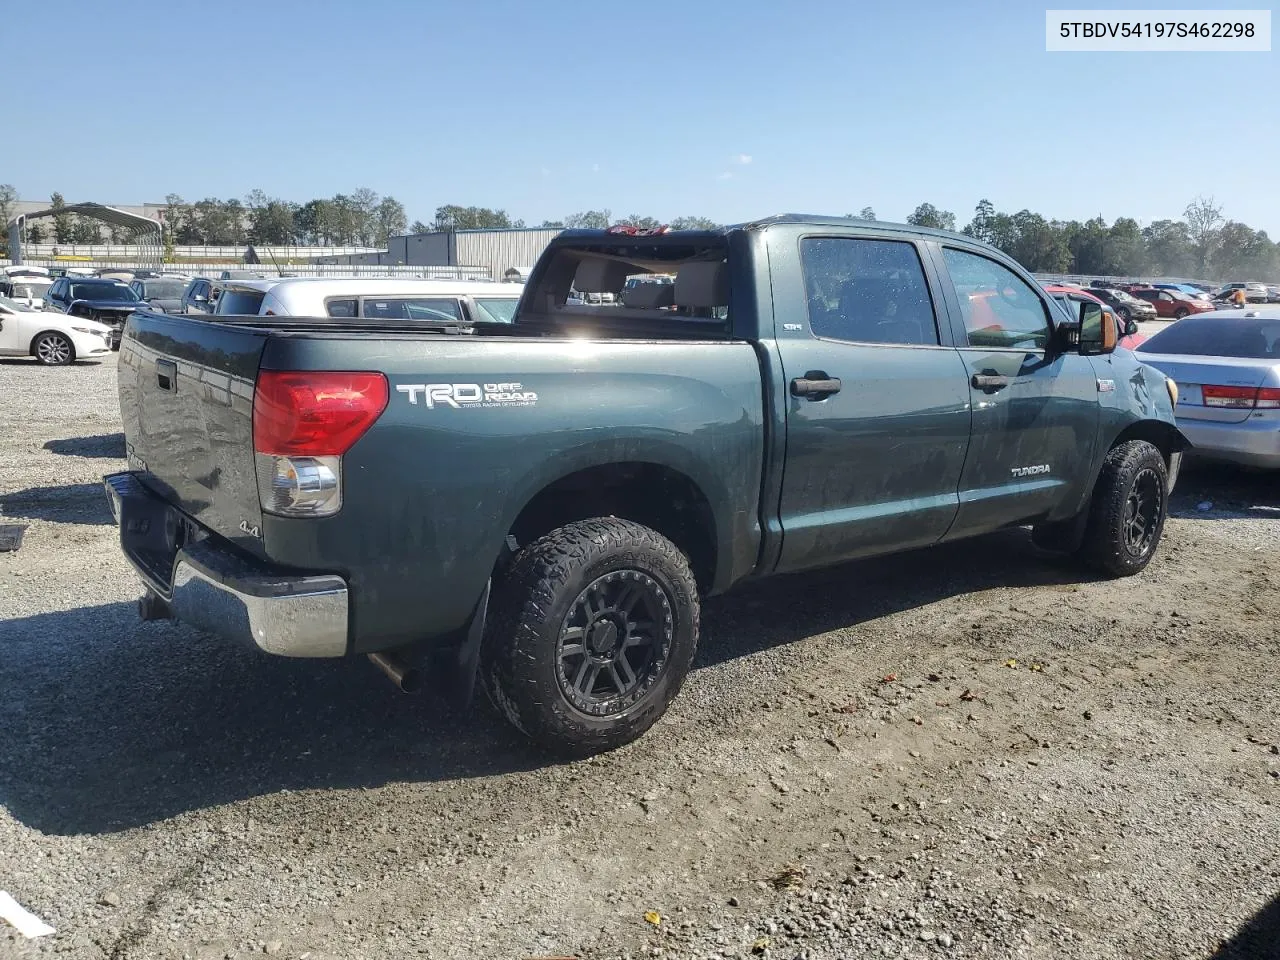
pixel 1204 244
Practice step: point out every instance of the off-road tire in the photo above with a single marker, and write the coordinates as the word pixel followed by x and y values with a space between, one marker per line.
pixel 53 349
pixel 1135 469
pixel 521 664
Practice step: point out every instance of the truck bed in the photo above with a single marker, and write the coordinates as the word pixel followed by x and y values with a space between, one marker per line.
pixel 433 489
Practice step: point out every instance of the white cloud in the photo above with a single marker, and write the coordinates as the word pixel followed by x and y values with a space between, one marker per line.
pixel 742 158
pixel 727 175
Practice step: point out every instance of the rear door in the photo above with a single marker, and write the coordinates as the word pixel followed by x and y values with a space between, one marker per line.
pixel 1035 411
pixel 877 410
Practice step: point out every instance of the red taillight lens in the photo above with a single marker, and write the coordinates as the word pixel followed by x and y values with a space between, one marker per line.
pixel 1242 397
pixel 1268 397
pixel 314 414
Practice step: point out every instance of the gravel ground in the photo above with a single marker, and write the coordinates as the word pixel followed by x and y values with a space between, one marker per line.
pixel 973 751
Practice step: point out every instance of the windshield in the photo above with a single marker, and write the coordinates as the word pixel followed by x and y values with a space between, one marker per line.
pixel 495 310
pixel 102 291
pixel 1221 337
pixel 171 289
pixel 13 305
pixel 29 289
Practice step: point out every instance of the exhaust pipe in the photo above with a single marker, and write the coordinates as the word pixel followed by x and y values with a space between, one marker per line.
pixel 407 678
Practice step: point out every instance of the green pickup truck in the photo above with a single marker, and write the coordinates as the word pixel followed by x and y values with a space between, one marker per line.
pixel 542 504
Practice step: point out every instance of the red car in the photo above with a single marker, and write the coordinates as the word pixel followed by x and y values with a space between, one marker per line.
pixel 1171 304
pixel 1069 296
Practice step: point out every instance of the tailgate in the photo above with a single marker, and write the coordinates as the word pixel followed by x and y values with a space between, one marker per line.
pixel 186 397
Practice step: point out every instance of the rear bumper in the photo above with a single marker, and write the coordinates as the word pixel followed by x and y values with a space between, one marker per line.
pixel 1253 442
pixel 211 586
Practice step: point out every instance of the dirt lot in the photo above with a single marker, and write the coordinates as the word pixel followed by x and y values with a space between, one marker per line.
pixel 974 751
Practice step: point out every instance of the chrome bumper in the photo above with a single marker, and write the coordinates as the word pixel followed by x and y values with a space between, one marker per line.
pixel 222 592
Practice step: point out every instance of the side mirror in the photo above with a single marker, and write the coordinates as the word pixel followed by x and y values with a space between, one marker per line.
pixel 1096 336
pixel 1131 327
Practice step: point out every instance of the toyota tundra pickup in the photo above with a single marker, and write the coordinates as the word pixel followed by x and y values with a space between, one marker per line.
pixel 543 503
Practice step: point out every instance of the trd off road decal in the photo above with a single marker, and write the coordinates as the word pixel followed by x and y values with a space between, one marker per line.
pixel 460 396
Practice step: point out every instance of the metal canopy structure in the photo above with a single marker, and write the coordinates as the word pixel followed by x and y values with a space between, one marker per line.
pixel 143 231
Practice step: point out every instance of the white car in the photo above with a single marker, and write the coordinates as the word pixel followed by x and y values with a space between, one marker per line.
pixel 449 301
pixel 53 338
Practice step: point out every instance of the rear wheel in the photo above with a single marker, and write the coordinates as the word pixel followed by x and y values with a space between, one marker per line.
pixel 1127 513
pixel 53 349
pixel 590 635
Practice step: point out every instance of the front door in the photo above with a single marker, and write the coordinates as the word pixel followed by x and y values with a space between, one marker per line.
pixel 877 402
pixel 1035 409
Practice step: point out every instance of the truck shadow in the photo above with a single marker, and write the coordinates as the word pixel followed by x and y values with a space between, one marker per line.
pixel 109 446
pixel 111 723
pixel 69 503
pixel 1258 939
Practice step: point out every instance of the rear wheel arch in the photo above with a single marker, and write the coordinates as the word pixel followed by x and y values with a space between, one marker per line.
pixel 654 495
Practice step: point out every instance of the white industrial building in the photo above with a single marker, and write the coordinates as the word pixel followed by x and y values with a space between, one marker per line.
pixel 501 252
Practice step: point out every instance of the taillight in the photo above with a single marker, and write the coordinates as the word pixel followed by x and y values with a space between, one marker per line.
pixel 1244 398
pixel 303 422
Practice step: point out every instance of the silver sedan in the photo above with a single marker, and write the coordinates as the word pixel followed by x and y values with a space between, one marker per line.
pixel 1227 368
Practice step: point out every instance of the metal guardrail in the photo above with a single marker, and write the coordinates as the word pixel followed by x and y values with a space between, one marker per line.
pixel 214 270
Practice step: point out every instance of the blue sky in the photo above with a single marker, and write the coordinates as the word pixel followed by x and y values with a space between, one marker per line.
pixel 654 108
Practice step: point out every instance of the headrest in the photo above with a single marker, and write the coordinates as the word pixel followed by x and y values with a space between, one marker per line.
pixel 597 275
pixel 702 283
pixel 649 296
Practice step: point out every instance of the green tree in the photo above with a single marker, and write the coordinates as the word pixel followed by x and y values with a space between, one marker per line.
pixel 1037 244
pixel 85 230
pixel 589 220
pixel 272 222
pixel 927 215
pixel 364 208
pixel 62 222
pixel 693 223
pixel 980 227
pixel 1168 249
pixel 35 233
pixel 642 223
pixel 390 219
pixel 453 217
pixel 419 227
pixel 8 197
pixel 866 213
pixel 1126 247
pixel 1204 220
pixel 310 221
pixel 1244 253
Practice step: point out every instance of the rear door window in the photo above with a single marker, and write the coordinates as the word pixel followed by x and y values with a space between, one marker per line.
pixel 240 302
pixel 867 291
pixel 438 309
pixel 349 307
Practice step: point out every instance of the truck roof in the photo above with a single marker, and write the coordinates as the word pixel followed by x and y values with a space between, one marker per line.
pixel 817 220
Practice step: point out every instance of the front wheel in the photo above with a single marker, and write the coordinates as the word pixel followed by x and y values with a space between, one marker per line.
pixel 53 349
pixel 1180 313
pixel 1127 513
pixel 590 635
